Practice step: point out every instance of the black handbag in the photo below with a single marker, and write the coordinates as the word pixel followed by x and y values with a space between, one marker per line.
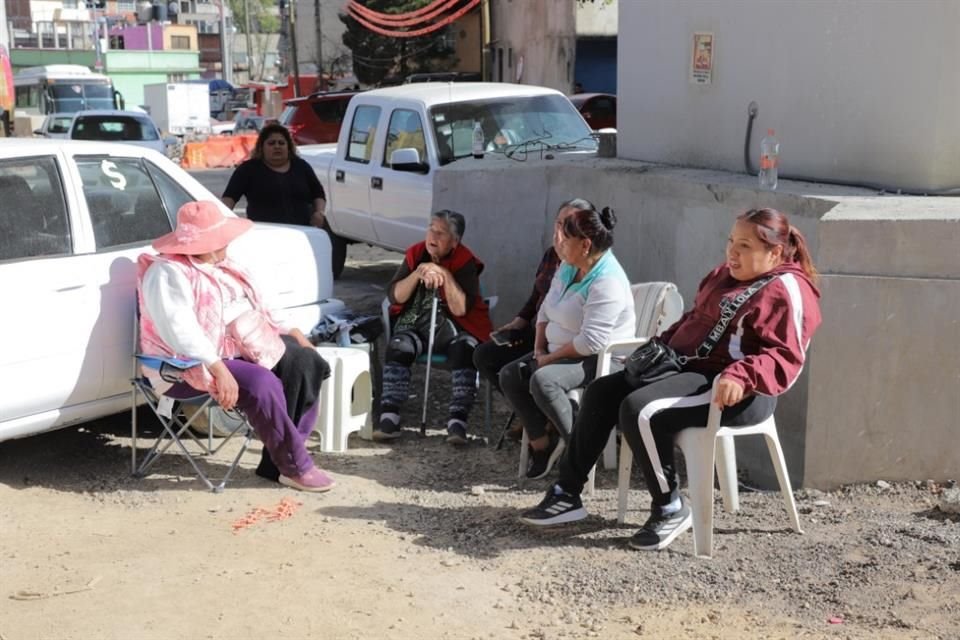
pixel 655 359
pixel 650 361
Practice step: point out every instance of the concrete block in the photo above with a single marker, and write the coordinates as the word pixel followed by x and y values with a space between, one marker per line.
pixel 884 396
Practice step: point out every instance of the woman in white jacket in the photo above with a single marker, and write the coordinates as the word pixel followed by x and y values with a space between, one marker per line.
pixel 588 305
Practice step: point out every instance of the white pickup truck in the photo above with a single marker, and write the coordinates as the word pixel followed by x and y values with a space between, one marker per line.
pixel 379 176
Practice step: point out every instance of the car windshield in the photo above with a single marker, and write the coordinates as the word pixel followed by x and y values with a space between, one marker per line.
pixel 70 97
pixel 515 126
pixel 113 128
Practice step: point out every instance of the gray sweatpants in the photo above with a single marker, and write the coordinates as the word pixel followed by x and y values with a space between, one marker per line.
pixel 539 395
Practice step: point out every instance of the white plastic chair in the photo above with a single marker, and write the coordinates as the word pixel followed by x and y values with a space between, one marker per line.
pixel 701 448
pixel 656 305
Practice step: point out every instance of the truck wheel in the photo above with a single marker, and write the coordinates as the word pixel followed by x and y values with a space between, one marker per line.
pixel 338 254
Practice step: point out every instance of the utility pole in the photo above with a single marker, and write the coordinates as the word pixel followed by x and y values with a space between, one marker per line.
pixel 246 28
pixel 316 15
pixel 292 25
pixel 225 64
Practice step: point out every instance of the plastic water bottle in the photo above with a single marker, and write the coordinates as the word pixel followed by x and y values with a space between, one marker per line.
pixel 478 141
pixel 343 336
pixel 769 161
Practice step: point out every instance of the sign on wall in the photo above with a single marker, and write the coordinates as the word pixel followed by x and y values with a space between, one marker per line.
pixel 701 61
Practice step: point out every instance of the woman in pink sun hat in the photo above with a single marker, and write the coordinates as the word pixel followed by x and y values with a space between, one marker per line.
pixel 196 303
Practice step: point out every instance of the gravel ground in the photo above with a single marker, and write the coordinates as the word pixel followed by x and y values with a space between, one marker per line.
pixel 421 539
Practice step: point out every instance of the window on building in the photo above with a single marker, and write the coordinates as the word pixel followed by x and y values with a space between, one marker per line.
pixel 500 65
pixel 180 42
pixel 448 42
pixel 125 6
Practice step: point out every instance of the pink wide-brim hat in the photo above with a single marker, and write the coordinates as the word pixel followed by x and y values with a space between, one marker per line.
pixel 201 228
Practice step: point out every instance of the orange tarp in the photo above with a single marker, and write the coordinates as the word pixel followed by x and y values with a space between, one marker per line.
pixel 217 151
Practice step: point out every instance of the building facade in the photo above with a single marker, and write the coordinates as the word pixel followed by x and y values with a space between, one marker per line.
pixel 596 55
pixel 532 42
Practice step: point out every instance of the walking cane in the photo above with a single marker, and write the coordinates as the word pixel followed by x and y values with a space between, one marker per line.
pixel 426 382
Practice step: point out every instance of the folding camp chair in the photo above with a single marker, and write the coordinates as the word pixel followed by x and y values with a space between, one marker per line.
pixel 176 418
pixel 439 360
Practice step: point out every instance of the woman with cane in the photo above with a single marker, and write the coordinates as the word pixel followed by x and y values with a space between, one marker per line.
pixel 437 307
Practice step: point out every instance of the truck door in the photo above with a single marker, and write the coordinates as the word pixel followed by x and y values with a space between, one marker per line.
pixel 353 171
pixel 401 200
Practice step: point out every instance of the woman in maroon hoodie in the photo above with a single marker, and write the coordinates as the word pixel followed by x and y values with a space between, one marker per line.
pixel 758 357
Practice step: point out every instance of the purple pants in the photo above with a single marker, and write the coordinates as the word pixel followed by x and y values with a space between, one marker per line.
pixel 262 399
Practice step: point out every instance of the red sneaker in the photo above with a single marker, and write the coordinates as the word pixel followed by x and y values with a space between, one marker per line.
pixel 314 480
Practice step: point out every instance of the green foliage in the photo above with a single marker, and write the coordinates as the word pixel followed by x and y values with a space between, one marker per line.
pixel 375 57
pixel 261 20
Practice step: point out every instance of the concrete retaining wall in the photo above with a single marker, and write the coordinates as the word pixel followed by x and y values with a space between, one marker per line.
pixel 673 225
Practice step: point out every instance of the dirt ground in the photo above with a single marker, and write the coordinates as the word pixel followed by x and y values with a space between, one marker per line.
pixel 421 540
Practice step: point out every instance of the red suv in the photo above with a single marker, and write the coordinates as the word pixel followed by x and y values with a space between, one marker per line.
pixel 316 119
pixel 598 109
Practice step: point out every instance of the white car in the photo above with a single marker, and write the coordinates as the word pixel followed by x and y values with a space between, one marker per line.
pixel 74 217
pixel 55 125
pixel 125 127
pixel 222 128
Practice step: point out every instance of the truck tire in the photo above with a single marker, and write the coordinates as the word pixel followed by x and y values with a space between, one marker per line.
pixel 338 253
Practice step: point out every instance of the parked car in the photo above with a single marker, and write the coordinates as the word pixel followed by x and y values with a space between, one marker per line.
pixel 316 119
pixel 379 177
pixel 598 109
pixel 222 127
pixel 74 217
pixel 55 125
pixel 247 121
pixel 126 127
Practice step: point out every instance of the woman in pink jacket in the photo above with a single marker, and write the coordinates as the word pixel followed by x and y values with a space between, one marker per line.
pixel 758 356
pixel 197 304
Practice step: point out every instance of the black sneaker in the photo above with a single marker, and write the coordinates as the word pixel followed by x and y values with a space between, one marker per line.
pixel 660 530
pixel 457 432
pixel 555 508
pixel 541 462
pixel 387 430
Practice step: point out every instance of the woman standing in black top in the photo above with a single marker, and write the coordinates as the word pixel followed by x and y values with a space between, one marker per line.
pixel 279 185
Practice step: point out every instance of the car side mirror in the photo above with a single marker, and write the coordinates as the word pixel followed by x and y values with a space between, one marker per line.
pixel 408 159
pixel 170 140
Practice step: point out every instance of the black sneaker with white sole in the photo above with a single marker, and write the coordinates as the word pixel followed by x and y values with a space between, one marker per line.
pixel 557 507
pixel 660 530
